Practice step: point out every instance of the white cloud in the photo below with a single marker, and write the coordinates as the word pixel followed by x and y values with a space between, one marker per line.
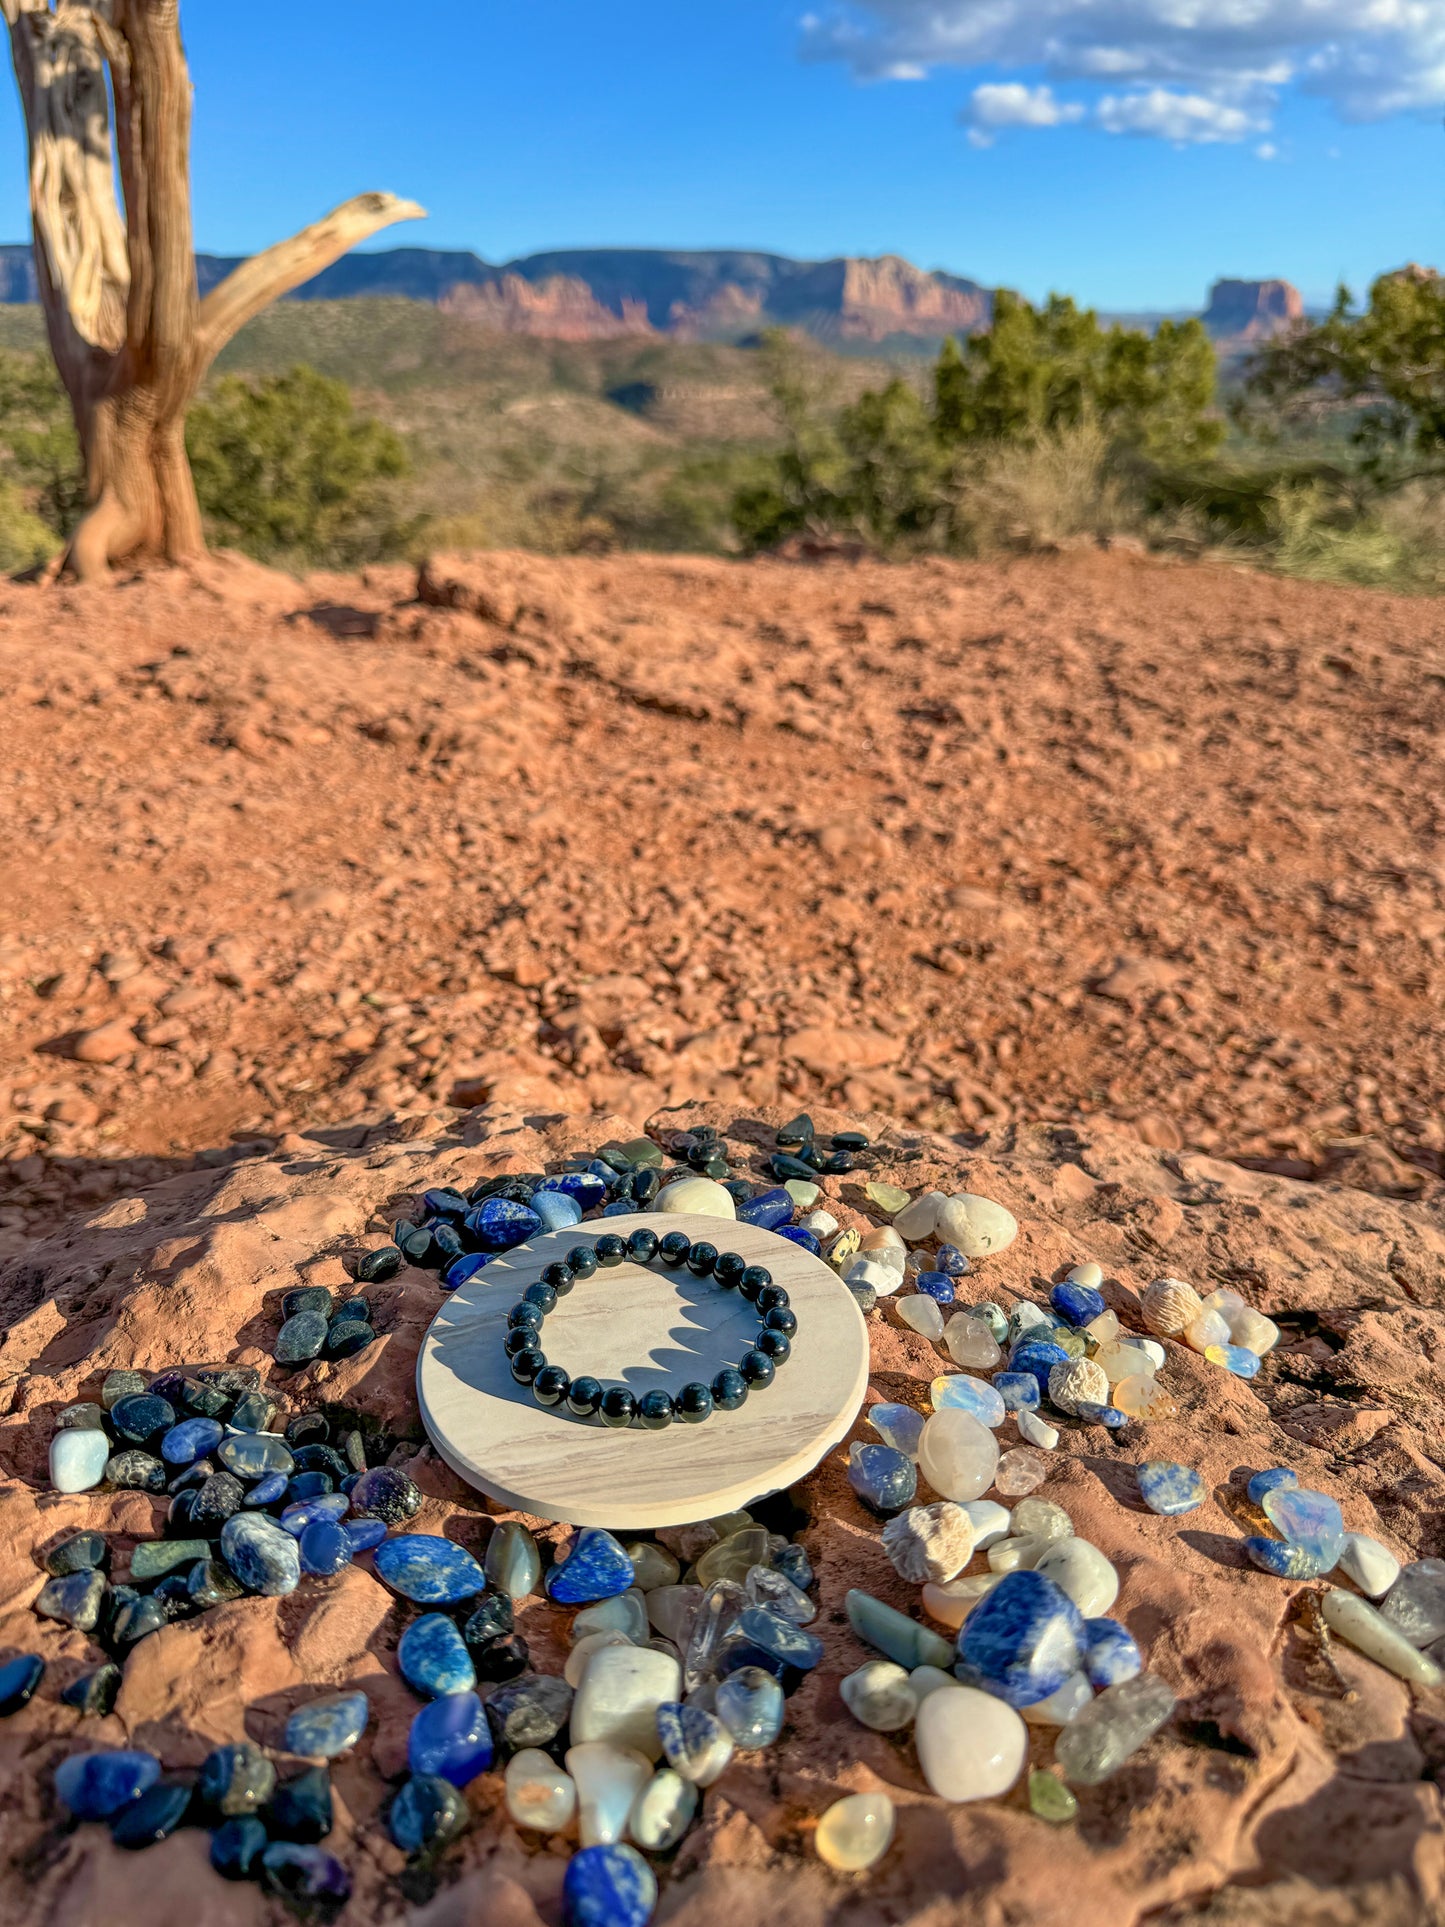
pixel 1266 151
pixel 1010 104
pixel 1368 58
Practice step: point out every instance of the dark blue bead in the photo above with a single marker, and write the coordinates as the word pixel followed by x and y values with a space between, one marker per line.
pixel 153 1817
pixel 936 1284
pixel 433 1658
pixel 498 1224
pixel 594 1567
pixel 768 1210
pixel 467 1266
pixel 95 1786
pixel 729 1389
pixel 1022 1640
pixel 451 1739
pixel 430 1570
pixel 610 1886
pixel 237 1846
pixel 426 1814
pixel 18 1681
pixel 1079 1304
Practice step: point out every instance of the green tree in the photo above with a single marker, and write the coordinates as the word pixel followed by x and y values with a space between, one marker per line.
pixel 39 450
pixel 896 467
pixel 288 471
pixel 800 495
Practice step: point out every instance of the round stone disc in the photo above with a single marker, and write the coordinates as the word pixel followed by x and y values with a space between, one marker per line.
pixel 642 1326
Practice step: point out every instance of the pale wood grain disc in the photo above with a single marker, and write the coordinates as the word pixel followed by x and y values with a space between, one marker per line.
pixel 642 1326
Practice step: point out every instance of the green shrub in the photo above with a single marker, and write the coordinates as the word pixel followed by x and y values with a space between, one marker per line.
pixel 39 449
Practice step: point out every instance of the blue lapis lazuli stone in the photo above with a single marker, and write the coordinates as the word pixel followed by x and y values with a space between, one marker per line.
pixel 96 1786
pixel 594 1567
pixel 1095 1414
pixel 883 1477
pixel 498 1224
pixel 1022 1640
pixel 309 1512
pixel 555 1210
pixel 432 1571
pixel 268 1490
pixel 324 1728
pixel 443 1203
pixel 797 1234
pixel 936 1284
pixel 434 1659
pixel 1277 1477
pixel 1170 1489
pixel 450 1738
pixel 768 1210
pixel 1078 1304
pixel 191 1440
pixel 1310 1520
pixel 588 1189
pixel 365 1534
pixel 950 1259
pixel 1018 1390
pixel 1284 1560
pixel 326 1549
pixel 1112 1655
pixel 304 1486
pixel 467 1266
pixel 19 1678
pixel 1038 1358
pixel 610 1886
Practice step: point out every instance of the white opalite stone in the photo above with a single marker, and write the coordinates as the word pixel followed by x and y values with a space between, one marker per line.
pixel 989 1519
pixel 1151 1349
pixel 1373 1567
pixel 882 1237
pixel 957 1455
pixel 662 1812
pixel 929 1542
pixel 1041 1519
pixel 978 1226
pixel 855 1832
pixel 627 1613
pixel 1209 1328
pixel 919 1220
pixel 619 1696
pixel 1082 1571
pixel 1060 1706
pixel 539 1794
pixel 705 1196
pixel 922 1314
pixel 971 1746
pixel 608 1781
pixel 1088 1274
pixel 880 1695
pixel 1037 1431
pixel 1357 1622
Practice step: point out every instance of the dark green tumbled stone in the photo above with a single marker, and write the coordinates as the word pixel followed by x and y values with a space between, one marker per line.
pixel 200 1398
pixel 136 1471
pixel 86 1417
pixel 137 1619
pixel 210 1583
pixel 798 1131
pixel 849 1141
pixel 379 1265
pixel 427 1814
pixel 93 1694
pixel 783 1166
pixel 348 1336
pixel 79 1553
pixel 253 1412
pixel 529 1712
pixel 300 1339
pixel 152 1558
pixel 493 1619
pixel 352 1308
pixel 306 1298
pixel 135 1420
pixel 75 1599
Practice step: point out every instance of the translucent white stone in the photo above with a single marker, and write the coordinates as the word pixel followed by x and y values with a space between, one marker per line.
pixel 929 1542
pixel 822 1224
pixel 670 1610
pixel 1083 1572
pixel 1041 1519
pixel 990 1521
pixel 1104 1329
pixel 1373 1567
pixel 1080 1382
pixel 969 1341
pixel 971 1746
pixel 1208 1328
pixel 919 1220
pixel 957 1455
pixel 951 1603
pixel 627 1613
pixel 1357 1622
pixel 539 1794
pixel 653 1565
pixel 1020 1470
pixel 1122 1360
pixel 928 1679
pixel 922 1314
pixel 1016 1555
pixel 580 1657
pixel 704 1196
pixel 1037 1431
pixel 899 1426
pixel 663 1811
pixel 608 1781
pixel 619 1696
pixel 978 1226
pixel 1254 1331
pixel 855 1832
pixel 78 1460
pixel 880 1695
pixel 766 1586
pixel 1227 1303
pixel 882 1237
pixel 1060 1706
pixel 868 1271
pixel 1088 1274
pixel 1152 1350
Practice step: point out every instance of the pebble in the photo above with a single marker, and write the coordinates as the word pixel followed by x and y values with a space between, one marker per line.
pixel 302 1808
pixel 1038 1357
pixel 887 1197
pixel 539 1794
pixel 1252 1330
pixel 921 1314
pixel 268 1490
pixel 265 1559
pixel 951 1603
pixel 501 1224
pixel 1112 1728
pixel 329 1506
pixel 1310 1520
pixel 899 1426
pixel 1235 1359
pixel 871 1273
pixel 769 1209
pixel 697 1744
pixel 1061 1706
pixel 608 1885
pixel 608 1780
pixel 141 1418
pixel 300 1339
pixel 990 1521
pixel 969 1342
pixel 971 1745
pixel 237 1847
pixel 580 1657
pixel 1019 1472
pixel 1050 1799
pixel 750 1703
pixel 1037 1431
pixel 305 1873
pixel 252 1455
pixel 427 1813
pixel 152 1818
pixel 1025 1639
pixel 1285 1561
pixel 652 1566
pixel 1363 1627
pixel 153 1558
pixel 529 1713
pixel 1080 1304
pixel 765 1586
pixel 92 1694
pixel 1170 1489
pixel 75 1600
pixel 595 1566
pixel 512 1562
pixel 78 1460
pixel 855 1832
pixel 432 1657
pixel 1018 1390
pixel 618 1700
pixel 880 1695
pixel 1113 1654
pixel 451 1738
pixel 978 1227
pixel 919 1220
pixel 19 1678
pixel 958 1391
pixel 121 1384
pixel 236 1779
pixel 192 1439
pixel 81 1552
pixel 703 1197
pixel 883 1477
pixel 626 1612
pixel 1081 1570
pixel 893 1633
pixel 1415 1604
pixel 929 1542
pixel 1205 1331
pixel 957 1455
pixel 1276 1478
pixel 429 1570
pixel 663 1811
pixel 325 1728
pixel 95 1786
pixel 1373 1567
pixel 764 1638
pixel 555 1210
pixel 937 1285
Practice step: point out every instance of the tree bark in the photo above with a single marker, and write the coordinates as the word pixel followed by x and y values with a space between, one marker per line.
pixel 131 338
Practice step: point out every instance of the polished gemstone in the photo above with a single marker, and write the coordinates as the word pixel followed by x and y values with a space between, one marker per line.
pixel 971 1746
pixel 327 1506
pixel 322 1729
pixel 19 1678
pixel 595 1566
pixel 151 1818
pixel 957 1455
pixel 855 1832
pixel 75 1600
pixel 1037 1356
pixel 1415 1604
pixel 1077 1303
pixel 1235 1359
pixel 268 1491
pixel 750 1704
pixel 499 1224
pixel 620 1694
pixel 95 1786
pixel 1023 1640
pixel 1373 1567
pixel 218 1499
pixel 1170 1489
pixel 236 1848
pixel 305 1874
pixel 192 1439
pixel 1050 1799
pixel 697 1744
pixel 894 1634
pixel 386 1493
pixel 608 1885
pixel 433 1658
pixel 1112 1654
pixel 253 1455
pixel 428 1569
pixel 426 1814
pixel 1366 1629
pixel 121 1384
pixel 608 1780
pixel 539 1794
pixel 625 1612
pixel 139 1419
pixel 212 1584
pixel 554 1210
pixel 1081 1570
pixel 1018 1390
pixel 883 1477
pixel 264 1558
pixel 1285 1561
pixel 530 1712
pixel 152 1558
pixel 769 1210
pixel 958 1391
pixel 921 1314
pixel 464 1266
pixel 92 1694
pixel 899 1426
pixel 1276 1479
pixel 450 1737
pixel 345 1337
pixel 1112 1728
pixel 81 1552
pixel 300 1339
pixel 766 1586
pixel 1310 1520
pixel 302 1808
pixel 78 1460
pixel 879 1695
pixel 236 1779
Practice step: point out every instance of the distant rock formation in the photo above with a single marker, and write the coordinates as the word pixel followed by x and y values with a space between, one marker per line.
pixel 1252 310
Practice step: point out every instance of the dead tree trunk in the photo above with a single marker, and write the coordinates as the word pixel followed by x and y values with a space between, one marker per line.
pixel 131 336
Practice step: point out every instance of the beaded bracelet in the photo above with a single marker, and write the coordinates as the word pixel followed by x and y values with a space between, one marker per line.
pixel 585 1397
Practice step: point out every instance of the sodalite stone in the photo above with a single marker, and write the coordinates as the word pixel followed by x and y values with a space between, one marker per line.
pixel 433 1656
pixel 324 1728
pixel 1282 1559
pixel 265 1559
pixel 1310 1520
pixel 882 1476
pixel 769 1210
pixel 426 1814
pixel 610 1886
pixel 1113 1654
pixel 365 1534
pixel 236 1779
pixel 1275 1480
pixel 78 1460
pixel 956 1391
pixel 467 1266
pixel 429 1570
pixel 588 1190
pixel 252 1455
pixel 1170 1489
pixel 96 1785
pixel 268 1490
pixel 309 1512
pixel 18 1680
pixel 751 1705
pixel 191 1440
pixel 326 1548
pixel 697 1744
pixel 1018 1390
pixel 498 1224
pixel 554 1210
pixel 797 1234
pixel 950 1259
pixel 451 1739
pixel 1079 1304
pixel 1038 1358
pixel 936 1284
pixel 1022 1640
pixel 595 1566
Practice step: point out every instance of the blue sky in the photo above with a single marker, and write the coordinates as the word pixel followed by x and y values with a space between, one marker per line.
pixel 1093 146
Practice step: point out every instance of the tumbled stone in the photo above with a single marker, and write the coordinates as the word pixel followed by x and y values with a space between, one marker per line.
pixel 1081 1570
pixel 331 1506
pixel 618 1700
pixel 135 1618
pixel 882 1477
pixel 78 1460
pixel 264 1558
pixel 131 1471
pixel 751 1704
pixel 305 1874
pixel 608 1780
pixel 764 1638
pixel 212 1584
pixel 1278 1477
pixel 427 1814
pixel 663 1811
pixel 80 1552
pixel 1062 1705
pixel 1170 1489
pixel 1019 1553
pixel 1112 1654
pixel 1019 1472
pixel 301 1809
pixel 893 1633
pixel 1079 1304
pixel 957 1455
pixel 1142 1396
pixel 450 1737
pixel 386 1493
pixel 19 1677
pixel 1237 1360
pixel 734 1557
pixel 897 1425
pixel 766 1586
pixel 652 1566
pixel 326 1548
pixel 920 1313
pixel 1050 1799
pixel 75 1599
pixel 1206 1330
pixel 93 1694
pixel 1024 1638
pixel 236 1779
pixel 959 1391
pixel 554 1210
pixel 1363 1627
pixel 322 1729
pixel 670 1611
pixel 121 1384
pixel 84 1417
pixel 1373 1567
pixel 703 1197
pixel 268 1490
pixel 1036 1431
pixel 432 1657
pixel 428 1569
pixel 969 1343
pixel 595 1566
pixel 698 1746
pixel 300 1339
pixel 1310 1520
pixel 529 1713
pixel 626 1612
pixel 151 1818
pixel 154 1557
pixel 252 1455
pixel 192 1439
pixel 237 1847
pixel 607 1885
pixel 500 1224
pixel 95 1786
pixel 1285 1561
pixel 141 1418
pixel 1415 1604
pixel 931 1542
pixel 880 1695
pixel 512 1563
pixel 977 1226
pixel 1112 1728
pixel 971 1745
pixel 539 1794
pixel 855 1832
pixel 1254 1332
